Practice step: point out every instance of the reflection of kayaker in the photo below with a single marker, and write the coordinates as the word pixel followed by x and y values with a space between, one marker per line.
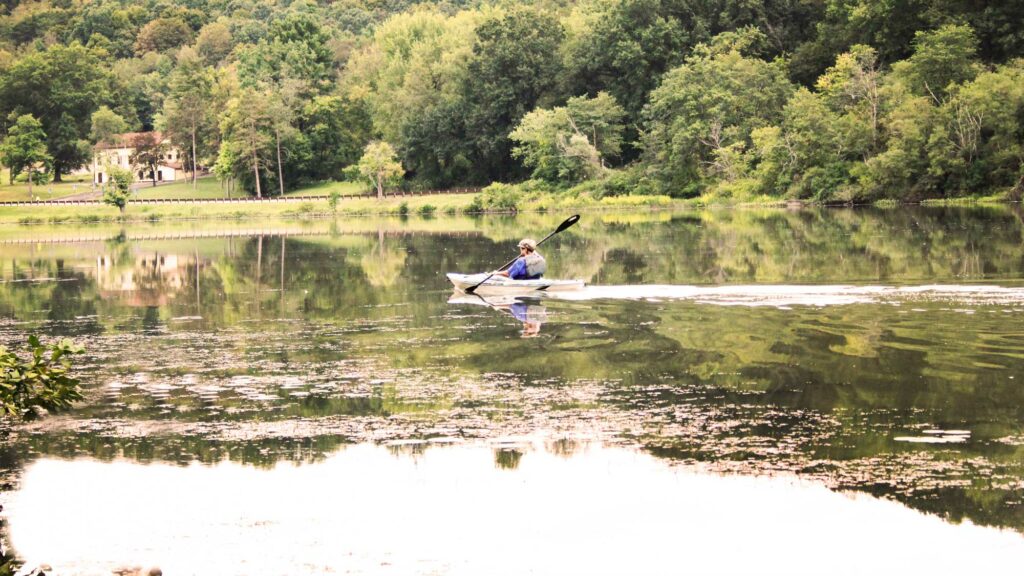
pixel 527 310
pixel 531 315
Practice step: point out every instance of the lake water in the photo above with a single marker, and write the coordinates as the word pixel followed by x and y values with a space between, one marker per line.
pixel 735 391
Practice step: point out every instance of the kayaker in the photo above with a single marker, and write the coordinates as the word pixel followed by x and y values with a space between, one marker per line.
pixel 529 266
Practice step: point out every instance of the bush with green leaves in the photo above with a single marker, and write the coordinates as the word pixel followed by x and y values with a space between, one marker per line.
pixel 120 188
pixel 42 382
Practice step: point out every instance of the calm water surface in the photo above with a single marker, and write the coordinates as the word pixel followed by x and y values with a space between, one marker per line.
pixel 312 396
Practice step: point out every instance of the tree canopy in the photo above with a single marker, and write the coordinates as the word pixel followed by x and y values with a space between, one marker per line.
pixel 835 100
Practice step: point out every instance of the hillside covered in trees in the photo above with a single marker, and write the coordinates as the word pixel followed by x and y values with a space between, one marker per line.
pixel 828 100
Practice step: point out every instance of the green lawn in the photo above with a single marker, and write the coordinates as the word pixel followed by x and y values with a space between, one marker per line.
pixel 206 187
pixel 324 189
pixel 76 184
pixel 210 187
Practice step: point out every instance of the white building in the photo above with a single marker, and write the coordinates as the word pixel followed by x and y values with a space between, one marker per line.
pixel 120 151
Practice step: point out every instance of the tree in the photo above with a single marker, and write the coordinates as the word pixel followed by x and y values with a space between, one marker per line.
pixel 214 43
pixel 336 130
pixel 625 46
pixel 106 124
pixel 515 67
pixel 567 144
pixel 120 189
pixel 61 87
pixel 116 23
pixel 149 150
pixel 296 47
pixel 942 58
pixel 187 110
pixel 380 165
pixel 707 107
pixel 245 137
pixel 280 115
pixel 25 148
pixel 852 87
pixel 163 34
pixel 411 81
pixel 43 382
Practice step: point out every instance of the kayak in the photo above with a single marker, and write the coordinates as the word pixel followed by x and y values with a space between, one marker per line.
pixel 503 285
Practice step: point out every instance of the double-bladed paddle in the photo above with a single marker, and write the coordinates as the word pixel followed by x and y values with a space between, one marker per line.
pixel 568 223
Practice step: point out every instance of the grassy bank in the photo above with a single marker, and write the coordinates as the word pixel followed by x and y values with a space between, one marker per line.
pixel 494 199
pixel 18 192
pixel 425 205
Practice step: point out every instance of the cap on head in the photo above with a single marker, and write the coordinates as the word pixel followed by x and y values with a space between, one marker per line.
pixel 528 243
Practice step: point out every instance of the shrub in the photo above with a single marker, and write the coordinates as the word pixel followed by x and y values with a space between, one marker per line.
pixel 497 198
pixel 427 210
pixel 27 387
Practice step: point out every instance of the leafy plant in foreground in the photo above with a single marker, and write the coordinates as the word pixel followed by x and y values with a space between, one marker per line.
pixel 41 382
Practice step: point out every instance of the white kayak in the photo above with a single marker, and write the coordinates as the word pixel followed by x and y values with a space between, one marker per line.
pixel 502 285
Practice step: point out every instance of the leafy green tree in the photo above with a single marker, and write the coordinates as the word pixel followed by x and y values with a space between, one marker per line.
pixel 435 146
pixel 515 67
pixel 43 382
pixel 147 154
pixel 61 86
pixel 890 28
pixel 411 81
pixel 280 115
pixel 106 124
pixel 214 42
pixel 942 58
pixel 625 46
pixel 380 165
pixel 975 145
pixel 853 89
pixel 332 200
pixel 566 145
pixel 120 189
pixel 707 107
pixel 163 34
pixel 805 156
pixel 245 138
pixel 113 21
pixel 296 47
pixel 336 129
pixel 188 108
pixel 24 148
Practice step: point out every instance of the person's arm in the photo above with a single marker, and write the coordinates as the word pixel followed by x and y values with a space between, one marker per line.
pixel 517 271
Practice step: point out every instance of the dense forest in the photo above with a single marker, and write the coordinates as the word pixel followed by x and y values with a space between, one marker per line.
pixel 826 100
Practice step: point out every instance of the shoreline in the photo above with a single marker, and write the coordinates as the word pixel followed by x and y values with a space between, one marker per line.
pixel 424 206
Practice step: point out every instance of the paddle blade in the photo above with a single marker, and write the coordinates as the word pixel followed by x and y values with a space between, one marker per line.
pixel 568 222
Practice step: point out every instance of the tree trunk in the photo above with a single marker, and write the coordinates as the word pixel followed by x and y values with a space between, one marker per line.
pixel 280 173
pixel 30 171
pixel 256 172
pixel 380 186
pixel 193 154
pixel 255 157
pixel 56 173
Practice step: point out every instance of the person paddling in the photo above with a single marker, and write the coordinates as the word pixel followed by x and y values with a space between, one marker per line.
pixel 529 266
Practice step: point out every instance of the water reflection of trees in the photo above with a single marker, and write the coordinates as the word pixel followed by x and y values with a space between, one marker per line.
pixel 820 392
